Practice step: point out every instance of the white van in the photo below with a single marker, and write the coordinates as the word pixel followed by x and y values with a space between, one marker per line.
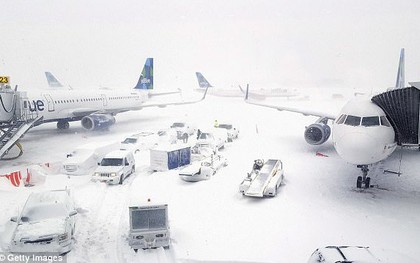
pixel 115 167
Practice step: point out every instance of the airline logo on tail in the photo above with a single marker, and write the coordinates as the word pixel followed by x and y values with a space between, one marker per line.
pixel 202 82
pixel 146 77
pixel 52 81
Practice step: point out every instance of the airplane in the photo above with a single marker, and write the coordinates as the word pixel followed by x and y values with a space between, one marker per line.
pixel 362 133
pixel 256 94
pixel 94 108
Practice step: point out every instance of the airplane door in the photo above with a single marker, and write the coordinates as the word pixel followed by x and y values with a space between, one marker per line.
pixel 50 102
pixel 104 100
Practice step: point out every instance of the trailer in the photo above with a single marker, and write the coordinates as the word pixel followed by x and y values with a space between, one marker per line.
pixel 203 170
pixel 149 226
pixel 264 179
pixel 164 158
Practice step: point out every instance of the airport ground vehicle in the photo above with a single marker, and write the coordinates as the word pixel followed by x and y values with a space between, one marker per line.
pixel 183 130
pixel 333 254
pixel 168 157
pixel 203 170
pixel 213 138
pixel 115 167
pixel 264 179
pixel 149 226
pixel 139 141
pixel 46 223
pixel 86 157
pixel 232 130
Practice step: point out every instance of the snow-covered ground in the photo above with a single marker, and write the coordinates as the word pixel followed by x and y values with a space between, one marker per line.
pixel 317 205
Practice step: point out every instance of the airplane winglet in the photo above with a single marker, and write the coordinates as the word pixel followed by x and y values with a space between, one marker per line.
pixel 400 83
pixel 205 93
pixel 247 92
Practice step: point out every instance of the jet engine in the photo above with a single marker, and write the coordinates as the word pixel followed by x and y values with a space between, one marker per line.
pixel 317 133
pixel 97 121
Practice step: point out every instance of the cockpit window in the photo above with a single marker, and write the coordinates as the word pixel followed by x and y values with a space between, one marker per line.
pixel 385 122
pixel 370 121
pixel 352 120
pixel 341 119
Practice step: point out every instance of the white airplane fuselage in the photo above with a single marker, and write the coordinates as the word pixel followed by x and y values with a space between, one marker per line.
pixel 73 104
pixel 366 137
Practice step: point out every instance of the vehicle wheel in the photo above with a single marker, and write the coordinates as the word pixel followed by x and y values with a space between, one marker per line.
pixel 166 247
pixel 367 182
pixel 359 182
pixel 121 179
pixel 136 249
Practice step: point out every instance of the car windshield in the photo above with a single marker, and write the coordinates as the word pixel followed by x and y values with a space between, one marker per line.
pixel 177 125
pixel 44 211
pixel 225 126
pixel 130 141
pixel 112 162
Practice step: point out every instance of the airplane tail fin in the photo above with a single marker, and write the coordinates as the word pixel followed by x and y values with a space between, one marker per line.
pixel 52 81
pixel 401 72
pixel 202 81
pixel 146 77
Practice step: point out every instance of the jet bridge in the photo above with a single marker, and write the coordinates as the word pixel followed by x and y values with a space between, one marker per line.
pixel 15 117
pixel 401 106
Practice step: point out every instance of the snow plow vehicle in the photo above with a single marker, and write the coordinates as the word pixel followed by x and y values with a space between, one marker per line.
pixel 264 179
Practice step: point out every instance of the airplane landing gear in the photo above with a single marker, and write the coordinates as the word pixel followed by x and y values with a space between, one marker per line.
pixel 363 180
pixel 63 125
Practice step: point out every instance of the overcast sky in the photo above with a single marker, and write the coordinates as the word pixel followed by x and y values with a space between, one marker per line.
pixel 335 43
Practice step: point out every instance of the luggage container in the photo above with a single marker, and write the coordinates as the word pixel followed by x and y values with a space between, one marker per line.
pixel 164 158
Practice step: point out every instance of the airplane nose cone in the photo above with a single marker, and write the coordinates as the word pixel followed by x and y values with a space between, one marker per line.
pixel 359 148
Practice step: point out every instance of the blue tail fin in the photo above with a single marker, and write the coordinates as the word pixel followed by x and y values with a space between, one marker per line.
pixel 52 81
pixel 146 76
pixel 202 81
pixel 400 75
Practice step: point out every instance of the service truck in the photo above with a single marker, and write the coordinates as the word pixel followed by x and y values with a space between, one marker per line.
pixel 149 227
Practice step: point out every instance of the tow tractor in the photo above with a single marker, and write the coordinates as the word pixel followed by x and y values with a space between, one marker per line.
pixel 203 170
pixel 264 179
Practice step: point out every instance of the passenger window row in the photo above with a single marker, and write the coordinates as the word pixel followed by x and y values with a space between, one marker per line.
pixel 364 121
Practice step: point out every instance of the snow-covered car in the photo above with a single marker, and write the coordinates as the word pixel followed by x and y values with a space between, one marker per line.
pixel 232 130
pixel 46 223
pixel 333 254
pixel 203 170
pixel 183 129
pixel 212 138
pixel 115 167
pixel 140 141
pixel 85 158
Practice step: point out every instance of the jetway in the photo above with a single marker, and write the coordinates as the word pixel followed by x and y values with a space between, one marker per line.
pixel 16 118
pixel 402 107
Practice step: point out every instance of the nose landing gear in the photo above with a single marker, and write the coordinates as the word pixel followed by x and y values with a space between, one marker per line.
pixel 363 180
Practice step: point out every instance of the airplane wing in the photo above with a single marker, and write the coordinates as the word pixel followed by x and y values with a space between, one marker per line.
pixel 162 105
pixel 296 110
pixel 153 94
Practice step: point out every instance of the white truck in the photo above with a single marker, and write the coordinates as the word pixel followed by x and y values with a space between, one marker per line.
pixel 115 167
pixel 264 179
pixel 203 170
pixel 149 226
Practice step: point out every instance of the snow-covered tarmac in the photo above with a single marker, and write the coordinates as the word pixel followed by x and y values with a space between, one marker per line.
pixel 317 205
